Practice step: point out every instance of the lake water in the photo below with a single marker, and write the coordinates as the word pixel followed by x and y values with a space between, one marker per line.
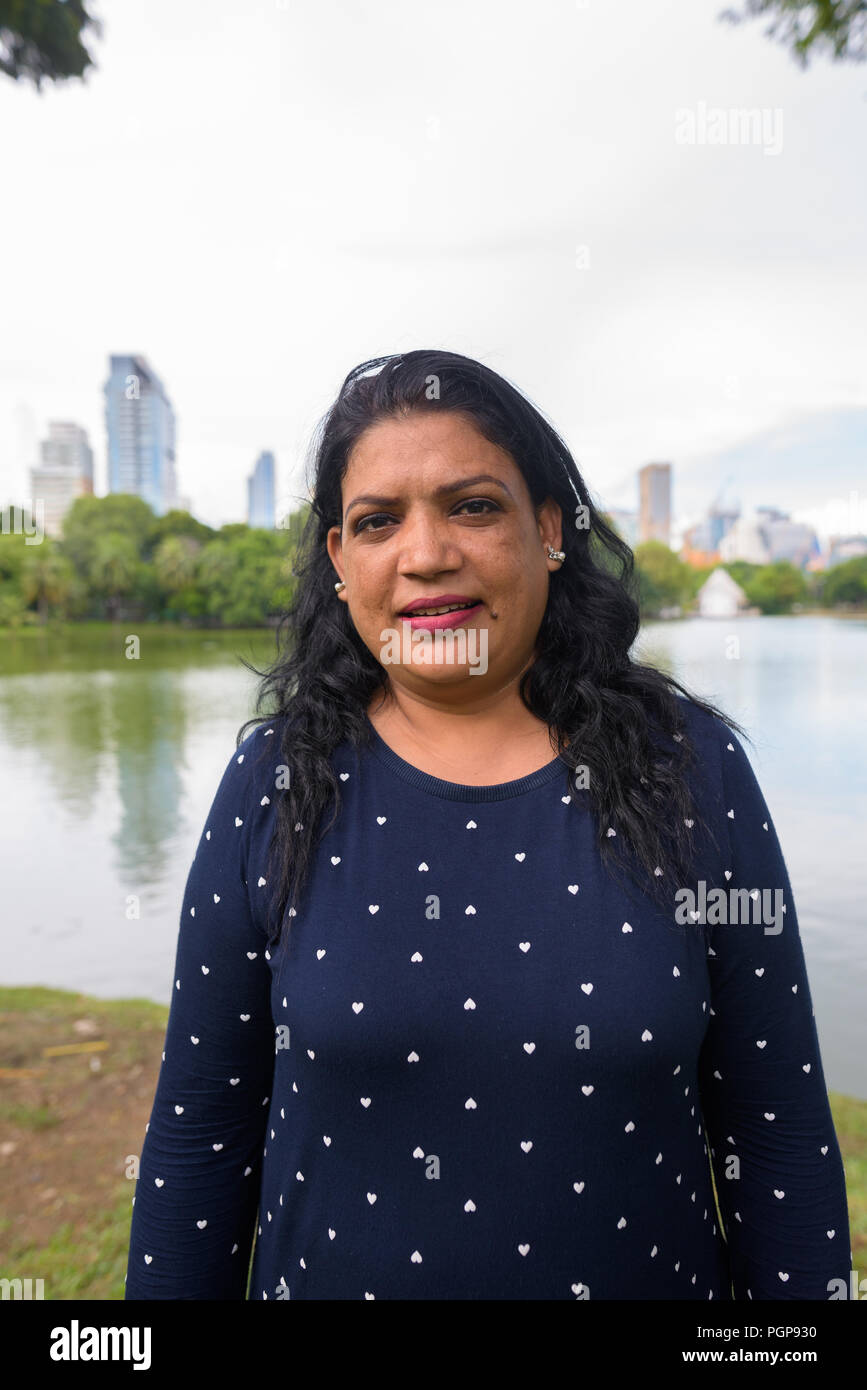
pixel 110 766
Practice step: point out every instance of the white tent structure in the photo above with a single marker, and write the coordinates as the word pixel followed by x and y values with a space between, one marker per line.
pixel 720 597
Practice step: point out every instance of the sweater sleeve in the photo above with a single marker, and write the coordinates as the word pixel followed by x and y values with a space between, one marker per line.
pixel 775 1156
pixel 200 1167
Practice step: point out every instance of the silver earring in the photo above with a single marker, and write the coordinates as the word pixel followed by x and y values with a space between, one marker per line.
pixel 340 586
pixel 556 554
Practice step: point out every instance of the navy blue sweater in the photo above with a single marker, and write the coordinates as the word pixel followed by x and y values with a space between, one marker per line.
pixel 485 1067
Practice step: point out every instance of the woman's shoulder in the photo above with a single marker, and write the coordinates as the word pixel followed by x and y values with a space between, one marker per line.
pixel 263 738
pixel 711 742
pixel 721 768
pixel 255 761
pixel 705 730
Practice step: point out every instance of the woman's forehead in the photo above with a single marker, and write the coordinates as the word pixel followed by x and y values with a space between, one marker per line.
pixel 425 442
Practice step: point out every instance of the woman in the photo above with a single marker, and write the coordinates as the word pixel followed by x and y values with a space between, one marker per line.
pixel 477 1033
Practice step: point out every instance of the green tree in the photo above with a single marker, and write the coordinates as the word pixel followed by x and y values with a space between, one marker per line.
pixel 189 605
pixel 13 610
pixel 775 588
pixel 175 563
pixel 812 26
pixel 47 578
pixel 177 522
pixel 175 566
pixel 741 571
pixel 42 39
pixel 89 518
pixel 13 605
pixel 12 550
pixel 663 578
pixel 114 570
pixel 246 578
pixel 846 583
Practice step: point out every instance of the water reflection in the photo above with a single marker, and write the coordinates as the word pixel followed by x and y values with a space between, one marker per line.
pixel 111 766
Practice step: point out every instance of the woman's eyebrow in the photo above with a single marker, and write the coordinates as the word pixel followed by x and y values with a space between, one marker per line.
pixel 444 490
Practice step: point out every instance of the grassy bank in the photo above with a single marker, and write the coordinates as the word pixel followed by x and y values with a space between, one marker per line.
pixel 77 1077
pixel 68 1122
pixel 88 647
pixel 100 627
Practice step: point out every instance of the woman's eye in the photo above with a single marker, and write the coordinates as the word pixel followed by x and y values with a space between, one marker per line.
pixel 480 502
pixel 365 523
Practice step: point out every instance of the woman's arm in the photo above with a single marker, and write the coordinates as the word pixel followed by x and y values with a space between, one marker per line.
pixel 198 1186
pixel 776 1160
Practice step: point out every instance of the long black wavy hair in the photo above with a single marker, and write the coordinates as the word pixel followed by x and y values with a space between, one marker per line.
pixel 620 719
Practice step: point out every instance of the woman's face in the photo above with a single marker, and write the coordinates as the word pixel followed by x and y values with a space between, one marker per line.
pixel 419 522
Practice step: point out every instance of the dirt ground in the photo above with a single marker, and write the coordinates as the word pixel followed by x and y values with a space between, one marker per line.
pixel 77 1079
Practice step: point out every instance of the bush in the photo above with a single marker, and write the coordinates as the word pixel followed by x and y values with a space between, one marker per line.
pixel 846 583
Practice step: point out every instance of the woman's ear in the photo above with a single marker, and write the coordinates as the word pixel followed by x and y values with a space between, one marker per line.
pixel 334 546
pixel 550 520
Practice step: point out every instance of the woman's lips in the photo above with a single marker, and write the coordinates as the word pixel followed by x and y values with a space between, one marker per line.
pixel 441 620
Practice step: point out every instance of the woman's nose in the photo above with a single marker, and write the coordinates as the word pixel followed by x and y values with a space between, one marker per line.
pixel 425 543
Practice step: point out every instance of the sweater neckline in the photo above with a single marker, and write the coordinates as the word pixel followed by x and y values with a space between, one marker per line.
pixel 459 791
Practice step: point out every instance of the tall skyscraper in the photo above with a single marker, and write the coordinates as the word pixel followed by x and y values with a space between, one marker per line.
pixel 654 488
pixel 140 424
pixel 64 472
pixel 260 492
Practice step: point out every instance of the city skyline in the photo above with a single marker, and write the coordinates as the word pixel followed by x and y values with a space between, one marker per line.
pixel 846 518
pixel 141 431
pixel 655 298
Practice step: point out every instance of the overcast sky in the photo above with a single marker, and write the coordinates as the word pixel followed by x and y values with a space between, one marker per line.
pixel 258 194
